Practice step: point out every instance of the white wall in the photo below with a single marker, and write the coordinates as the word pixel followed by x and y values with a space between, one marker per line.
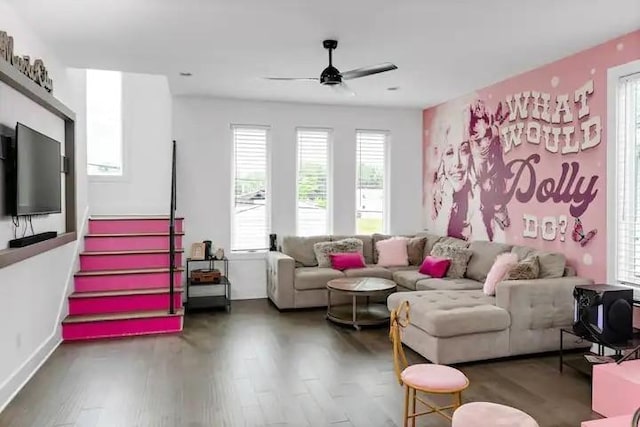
pixel 33 291
pixel 201 127
pixel 145 187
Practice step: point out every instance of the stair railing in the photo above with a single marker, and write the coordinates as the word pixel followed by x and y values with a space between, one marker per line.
pixel 172 231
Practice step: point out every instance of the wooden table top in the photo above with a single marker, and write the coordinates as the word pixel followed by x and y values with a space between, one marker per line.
pixel 361 284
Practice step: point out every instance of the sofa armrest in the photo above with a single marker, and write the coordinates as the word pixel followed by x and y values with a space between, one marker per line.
pixel 539 303
pixel 280 279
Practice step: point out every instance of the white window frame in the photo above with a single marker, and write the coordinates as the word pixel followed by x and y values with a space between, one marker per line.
pixel 233 185
pixel 126 173
pixel 329 210
pixel 385 181
pixel 614 75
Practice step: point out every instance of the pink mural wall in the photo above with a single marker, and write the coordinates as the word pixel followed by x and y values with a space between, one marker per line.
pixel 524 161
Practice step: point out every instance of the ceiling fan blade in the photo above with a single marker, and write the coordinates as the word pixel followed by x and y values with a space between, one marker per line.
pixel 300 79
pixel 367 71
pixel 343 89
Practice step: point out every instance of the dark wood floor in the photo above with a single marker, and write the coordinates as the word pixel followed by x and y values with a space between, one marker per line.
pixel 257 367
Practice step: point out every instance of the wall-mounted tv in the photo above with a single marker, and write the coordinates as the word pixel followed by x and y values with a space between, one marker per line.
pixel 35 174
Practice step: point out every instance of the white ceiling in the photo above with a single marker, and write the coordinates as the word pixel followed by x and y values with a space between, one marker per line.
pixel 443 48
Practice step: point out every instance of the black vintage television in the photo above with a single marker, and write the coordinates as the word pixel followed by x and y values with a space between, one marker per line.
pixel 34 174
pixel 603 313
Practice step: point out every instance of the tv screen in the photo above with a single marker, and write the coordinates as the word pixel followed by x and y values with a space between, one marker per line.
pixel 37 173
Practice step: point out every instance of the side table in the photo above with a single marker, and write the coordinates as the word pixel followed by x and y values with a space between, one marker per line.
pixel 581 364
pixel 199 302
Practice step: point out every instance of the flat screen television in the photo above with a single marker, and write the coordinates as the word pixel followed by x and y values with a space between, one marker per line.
pixel 35 177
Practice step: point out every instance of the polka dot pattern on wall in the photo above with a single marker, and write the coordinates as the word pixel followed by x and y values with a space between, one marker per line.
pixel 587 259
pixel 555 81
pixel 620 46
pixel 593 71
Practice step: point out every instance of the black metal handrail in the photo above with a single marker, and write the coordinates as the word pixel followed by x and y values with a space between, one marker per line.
pixel 172 231
pixel 635 421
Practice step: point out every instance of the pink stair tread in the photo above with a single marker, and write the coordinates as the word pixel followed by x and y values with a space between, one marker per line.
pixel 109 280
pixel 127 260
pixel 83 303
pixel 129 242
pixel 121 324
pixel 132 225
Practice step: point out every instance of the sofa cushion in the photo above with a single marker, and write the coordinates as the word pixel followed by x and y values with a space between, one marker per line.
pixel 551 264
pixel 367 245
pixel 376 237
pixel 522 251
pixel 408 278
pixel 483 255
pixel 431 239
pixel 324 249
pixel 459 257
pixel 526 269
pixel 403 268
pixel 452 313
pixel 315 277
pixel 392 252
pixel 453 241
pixel 301 249
pixel 370 271
pixel 447 283
pixel 415 250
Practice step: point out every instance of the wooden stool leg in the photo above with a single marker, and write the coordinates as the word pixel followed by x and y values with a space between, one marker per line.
pixel 405 418
pixel 413 408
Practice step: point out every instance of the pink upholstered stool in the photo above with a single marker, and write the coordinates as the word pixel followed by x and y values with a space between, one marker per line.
pixel 426 378
pixel 486 414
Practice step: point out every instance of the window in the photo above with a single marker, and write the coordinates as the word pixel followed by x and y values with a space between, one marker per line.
pixel 312 210
pixel 250 216
pixel 370 181
pixel 627 192
pixel 104 123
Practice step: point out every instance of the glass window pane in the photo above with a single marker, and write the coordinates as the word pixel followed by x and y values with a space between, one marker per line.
pixel 104 123
pixel 370 182
pixel 250 215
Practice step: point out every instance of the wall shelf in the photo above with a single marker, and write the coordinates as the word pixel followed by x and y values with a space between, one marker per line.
pixel 11 256
pixel 21 83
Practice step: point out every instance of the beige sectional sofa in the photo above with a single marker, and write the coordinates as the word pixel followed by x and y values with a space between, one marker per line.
pixel 451 319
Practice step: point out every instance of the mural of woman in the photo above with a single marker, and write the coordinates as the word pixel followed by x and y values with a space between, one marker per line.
pixel 488 165
pixel 456 198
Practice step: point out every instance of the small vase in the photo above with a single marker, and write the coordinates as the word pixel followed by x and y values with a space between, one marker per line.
pixel 219 253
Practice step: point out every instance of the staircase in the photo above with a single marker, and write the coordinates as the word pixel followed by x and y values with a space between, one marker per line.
pixel 123 287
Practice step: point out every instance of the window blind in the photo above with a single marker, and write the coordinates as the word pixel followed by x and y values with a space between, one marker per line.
pixel 250 217
pixel 627 180
pixel 370 181
pixel 312 210
pixel 104 123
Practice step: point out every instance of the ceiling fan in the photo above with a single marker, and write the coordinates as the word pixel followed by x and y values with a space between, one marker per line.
pixel 332 77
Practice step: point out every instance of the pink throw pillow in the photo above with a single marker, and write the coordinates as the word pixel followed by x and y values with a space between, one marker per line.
pixel 392 252
pixel 346 260
pixel 501 267
pixel 435 266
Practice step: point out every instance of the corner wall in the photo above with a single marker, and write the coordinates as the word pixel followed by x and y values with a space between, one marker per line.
pixel 34 291
pixel 535 158
pixel 145 186
pixel 202 128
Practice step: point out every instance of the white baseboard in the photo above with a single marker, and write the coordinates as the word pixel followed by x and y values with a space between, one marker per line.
pixel 12 386
pixel 19 378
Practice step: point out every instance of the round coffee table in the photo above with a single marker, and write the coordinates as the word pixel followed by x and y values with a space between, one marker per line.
pixel 354 314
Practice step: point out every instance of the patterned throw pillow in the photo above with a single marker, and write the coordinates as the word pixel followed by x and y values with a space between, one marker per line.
pixel 323 249
pixel 459 258
pixel 527 269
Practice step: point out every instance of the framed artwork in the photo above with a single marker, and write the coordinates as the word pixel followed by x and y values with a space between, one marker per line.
pixel 197 251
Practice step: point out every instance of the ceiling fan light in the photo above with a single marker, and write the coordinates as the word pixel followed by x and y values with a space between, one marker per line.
pixel 330 76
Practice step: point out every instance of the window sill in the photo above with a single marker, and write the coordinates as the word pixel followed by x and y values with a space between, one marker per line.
pixel 248 255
